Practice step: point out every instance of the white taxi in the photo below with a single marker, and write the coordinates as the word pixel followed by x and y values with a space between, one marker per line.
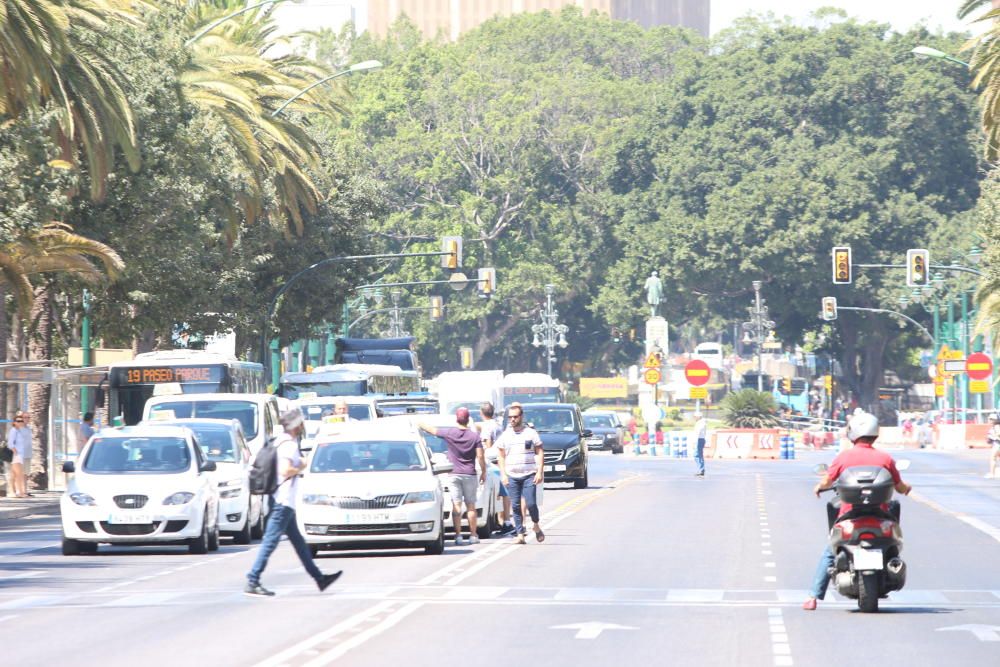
pixel 140 485
pixel 372 485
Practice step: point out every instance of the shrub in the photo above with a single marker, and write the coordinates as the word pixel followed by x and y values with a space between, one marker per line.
pixel 749 408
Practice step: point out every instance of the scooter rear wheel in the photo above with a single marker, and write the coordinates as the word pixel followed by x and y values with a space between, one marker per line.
pixel 868 593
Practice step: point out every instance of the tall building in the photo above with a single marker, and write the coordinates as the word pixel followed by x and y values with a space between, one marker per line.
pixel 453 17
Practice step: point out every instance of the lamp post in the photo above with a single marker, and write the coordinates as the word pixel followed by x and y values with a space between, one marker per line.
pixel 931 52
pixel 548 332
pixel 757 329
pixel 357 67
pixel 395 317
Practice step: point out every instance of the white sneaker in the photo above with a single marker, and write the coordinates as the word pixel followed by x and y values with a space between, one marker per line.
pixel 474 539
pixel 459 541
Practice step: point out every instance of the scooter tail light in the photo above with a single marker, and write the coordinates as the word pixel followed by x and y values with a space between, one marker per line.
pixel 887 527
pixel 846 528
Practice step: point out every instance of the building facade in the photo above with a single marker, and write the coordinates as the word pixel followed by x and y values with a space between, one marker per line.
pixel 453 17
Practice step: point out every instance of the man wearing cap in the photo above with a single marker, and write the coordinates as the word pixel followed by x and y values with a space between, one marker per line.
pixel 281 520
pixel 700 435
pixel 465 448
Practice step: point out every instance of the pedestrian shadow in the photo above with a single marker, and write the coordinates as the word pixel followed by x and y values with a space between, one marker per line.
pixel 383 553
pixel 913 610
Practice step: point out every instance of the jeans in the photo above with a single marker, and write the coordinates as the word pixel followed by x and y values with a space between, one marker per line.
pixel 517 487
pixel 821 579
pixel 699 455
pixel 281 521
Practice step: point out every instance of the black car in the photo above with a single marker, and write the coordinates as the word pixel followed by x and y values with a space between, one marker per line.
pixel 560 427
pixel 607 429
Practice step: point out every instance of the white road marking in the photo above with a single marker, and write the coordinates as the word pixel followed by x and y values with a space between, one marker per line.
pixel 391 620
pixel 22 575
pixel 591 630
pixel 771 580
pixel 984 633
pixel 9 617
pixel 978 524
pixel 780 648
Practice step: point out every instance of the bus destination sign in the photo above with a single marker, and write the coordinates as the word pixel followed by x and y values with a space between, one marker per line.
pixel 164 374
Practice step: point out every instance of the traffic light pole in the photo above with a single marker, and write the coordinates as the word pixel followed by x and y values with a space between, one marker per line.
pixel 909 319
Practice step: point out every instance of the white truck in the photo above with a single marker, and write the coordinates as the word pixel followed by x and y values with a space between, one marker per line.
pixel 468 389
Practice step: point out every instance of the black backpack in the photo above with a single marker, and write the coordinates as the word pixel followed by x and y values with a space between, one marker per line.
pixel 264 472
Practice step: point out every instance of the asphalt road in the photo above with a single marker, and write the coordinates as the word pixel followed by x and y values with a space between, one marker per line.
pixel 650 563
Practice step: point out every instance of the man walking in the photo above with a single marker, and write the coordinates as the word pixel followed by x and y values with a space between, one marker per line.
pixel 281 520
pixel 86 428
pixel 19 440
pixel 490 430
pixel 521 465
pixel 700 435
pixel 465 448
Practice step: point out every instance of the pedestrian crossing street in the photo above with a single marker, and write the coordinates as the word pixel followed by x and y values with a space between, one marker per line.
pixel 501 595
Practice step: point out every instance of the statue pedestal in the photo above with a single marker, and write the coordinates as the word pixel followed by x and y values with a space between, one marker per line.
pixel 657 334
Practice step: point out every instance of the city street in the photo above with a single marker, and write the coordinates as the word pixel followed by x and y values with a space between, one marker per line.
pixel 649 561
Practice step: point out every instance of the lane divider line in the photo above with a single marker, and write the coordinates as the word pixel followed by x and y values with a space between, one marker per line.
pixel 978 524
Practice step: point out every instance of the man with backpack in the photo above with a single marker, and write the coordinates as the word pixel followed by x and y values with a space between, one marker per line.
pixel 276 472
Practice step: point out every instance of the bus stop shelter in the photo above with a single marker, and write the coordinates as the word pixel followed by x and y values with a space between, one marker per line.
pixel 65 406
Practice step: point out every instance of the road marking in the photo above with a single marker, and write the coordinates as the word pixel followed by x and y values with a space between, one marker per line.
pixel 978 524
pixel 591 630
pixel 141 600
pixel 780 648
pixel 984 633
pixel 23 575
pixel 9 617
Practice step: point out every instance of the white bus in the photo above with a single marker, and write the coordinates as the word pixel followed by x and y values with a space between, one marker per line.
pixel 132 383
pixel 348 380
pixel 529 388
pixel 711 354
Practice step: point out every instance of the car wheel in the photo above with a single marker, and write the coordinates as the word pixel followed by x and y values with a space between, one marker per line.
pixel 213 535
pixel 246 532
pixel 488 524
pixel 88 547
pixel 71 547
pixel 581 483
pixel 199 545
pixel 257 531
pixel 436 548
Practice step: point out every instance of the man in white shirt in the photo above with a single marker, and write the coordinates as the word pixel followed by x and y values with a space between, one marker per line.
pixel 281 520
pixel 490 430
pixel 700 436
pixel 521 469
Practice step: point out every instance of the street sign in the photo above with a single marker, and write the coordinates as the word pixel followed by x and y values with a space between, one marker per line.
pixel 828 382
pixel 696 372
pixel 652 361
pixel 698 392
pixel 954 366
pixel 979 386
pixel 979 366
pixel 652 376
pixel 939 386
pixel 944 352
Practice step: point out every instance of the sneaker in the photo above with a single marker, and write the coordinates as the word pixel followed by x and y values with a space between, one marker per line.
pixel 474 539
pixel 699 474
pixel 810 604
pixel 520 540
pixel 327 579
pixel 257 591
pixel 459 541
pixel 508 529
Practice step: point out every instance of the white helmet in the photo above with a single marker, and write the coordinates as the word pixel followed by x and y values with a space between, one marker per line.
pixel 862 424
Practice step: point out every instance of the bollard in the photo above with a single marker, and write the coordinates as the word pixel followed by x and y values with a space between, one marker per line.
pixel 676 445
pixel 683 453
pixel 791 447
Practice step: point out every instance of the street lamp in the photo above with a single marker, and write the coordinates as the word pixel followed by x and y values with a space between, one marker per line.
pixel 929 52
pixel 757 329
pixel 357 67
pixel 395 317
pixel 548 332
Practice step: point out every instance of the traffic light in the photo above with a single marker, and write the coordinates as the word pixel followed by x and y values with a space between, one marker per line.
pixel 466 356
pixel 453 246
pixel 829 308
pixel 616 334
pixel 437 308
pixel 786 386
pixel 631 334
pixel 917 267
pixel 842 265
pixel 486 283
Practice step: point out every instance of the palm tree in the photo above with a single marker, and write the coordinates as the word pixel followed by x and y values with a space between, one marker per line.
pixel 985 66
pixel 46 58
pixel 52 249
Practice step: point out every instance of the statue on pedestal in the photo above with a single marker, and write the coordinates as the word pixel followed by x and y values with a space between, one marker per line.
pixel 654 293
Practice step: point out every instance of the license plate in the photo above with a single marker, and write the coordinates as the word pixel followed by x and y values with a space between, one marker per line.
pixel 368 517
pixel 128 517
pixel 867 559
pixel 549 468
pixel 594 441
pixel 559 467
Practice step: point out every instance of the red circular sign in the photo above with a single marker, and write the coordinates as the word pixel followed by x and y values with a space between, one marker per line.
pixel 696 372
pixel 978 366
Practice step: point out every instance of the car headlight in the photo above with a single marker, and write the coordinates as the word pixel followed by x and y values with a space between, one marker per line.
pixel 608 437
pixel 572 451
pixel 83 499
pixel 231 488
pixel 179 498
pixel 419 497
pixel 317 499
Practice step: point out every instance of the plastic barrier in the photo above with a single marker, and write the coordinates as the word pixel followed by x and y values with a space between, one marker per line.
pixel 975 435
pixel 746 443
pixel 787 447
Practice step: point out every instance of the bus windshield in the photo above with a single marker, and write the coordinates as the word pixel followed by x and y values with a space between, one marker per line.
pixel 293 390
pixel 245 411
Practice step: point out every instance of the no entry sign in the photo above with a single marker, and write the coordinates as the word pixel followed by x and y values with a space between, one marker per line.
pixel 696 372
pixel 978 366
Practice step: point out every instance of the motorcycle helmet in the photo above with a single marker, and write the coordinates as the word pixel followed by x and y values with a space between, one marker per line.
pixel 862 424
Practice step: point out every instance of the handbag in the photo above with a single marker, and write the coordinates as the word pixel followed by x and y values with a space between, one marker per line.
pixel 6 454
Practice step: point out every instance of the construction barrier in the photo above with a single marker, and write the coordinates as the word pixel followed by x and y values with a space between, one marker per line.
pixel 745 443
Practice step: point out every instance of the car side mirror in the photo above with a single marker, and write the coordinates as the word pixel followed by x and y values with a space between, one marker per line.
pixel 587 433
pixel 207 466
pixel 69 466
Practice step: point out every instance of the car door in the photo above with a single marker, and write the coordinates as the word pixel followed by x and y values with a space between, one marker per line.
pixel 208 492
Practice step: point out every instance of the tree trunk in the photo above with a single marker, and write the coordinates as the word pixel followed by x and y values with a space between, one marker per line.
pixel 4 335
pixel 39 395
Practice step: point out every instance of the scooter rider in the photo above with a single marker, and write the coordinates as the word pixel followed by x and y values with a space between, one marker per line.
pixel 862 430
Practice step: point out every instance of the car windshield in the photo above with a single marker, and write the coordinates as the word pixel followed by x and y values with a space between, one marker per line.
pixel 316 411
pixel 598 421
pixel 551 420
pixel 403 408
pixel 216 442
pixel 245 411
pixel 437 445
pixel 137 454
pixel 367 456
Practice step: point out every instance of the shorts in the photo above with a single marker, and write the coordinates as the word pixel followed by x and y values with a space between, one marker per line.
pixel 463 488
pixel 25 461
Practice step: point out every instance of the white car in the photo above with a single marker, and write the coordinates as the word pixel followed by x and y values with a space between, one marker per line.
pixel 140 485
pixel 372 485
pixel 257 413
pixel 488 502
pixel 241 514
pixel 359 408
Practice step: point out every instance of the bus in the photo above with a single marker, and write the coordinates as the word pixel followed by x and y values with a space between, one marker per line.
pixel 792 393
pixel 348 380
pixel 131 383
pixel 529 388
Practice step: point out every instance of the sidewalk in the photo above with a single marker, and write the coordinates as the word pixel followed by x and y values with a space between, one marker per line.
pixel 41 502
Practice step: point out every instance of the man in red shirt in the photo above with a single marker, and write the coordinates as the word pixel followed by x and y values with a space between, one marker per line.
pixel 862 430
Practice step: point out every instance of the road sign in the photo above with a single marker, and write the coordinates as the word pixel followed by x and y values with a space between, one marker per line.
pixel 652 361
pixel 652 376
pixel 696 372
pixel 979 386
pixel 698 392
pixel 944 352
pixel 979 366
pixel 939 386
pixel 828 382
pixel 954 366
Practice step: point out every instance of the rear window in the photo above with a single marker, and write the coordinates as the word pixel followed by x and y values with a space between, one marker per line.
pixel 551 420
pixel 139 455
pixel 598 421
pixel 316 412
pixel 244 411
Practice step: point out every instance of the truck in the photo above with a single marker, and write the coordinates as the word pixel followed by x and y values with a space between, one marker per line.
pixel 385 351
pixel 468 389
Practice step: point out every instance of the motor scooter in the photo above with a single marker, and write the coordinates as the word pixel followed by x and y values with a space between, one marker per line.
pixel 866 541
